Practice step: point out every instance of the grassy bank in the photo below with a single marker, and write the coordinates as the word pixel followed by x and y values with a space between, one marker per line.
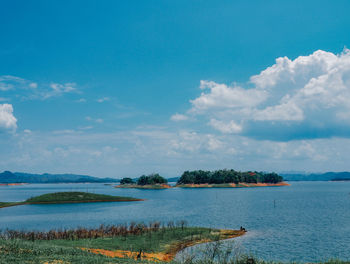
pixel 70 197
pixel 20 251
pixel 153 242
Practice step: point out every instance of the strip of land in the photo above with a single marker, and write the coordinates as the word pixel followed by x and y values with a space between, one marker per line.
pixel 70 197
pixel 168 251
pixel 140 242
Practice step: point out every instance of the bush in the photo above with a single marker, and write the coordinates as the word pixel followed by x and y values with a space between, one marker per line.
pixel 127 181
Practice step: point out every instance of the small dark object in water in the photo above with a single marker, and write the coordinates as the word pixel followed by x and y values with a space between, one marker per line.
pixel 243 229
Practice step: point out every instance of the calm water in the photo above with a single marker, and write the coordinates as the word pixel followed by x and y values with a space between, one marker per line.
pixel 308 221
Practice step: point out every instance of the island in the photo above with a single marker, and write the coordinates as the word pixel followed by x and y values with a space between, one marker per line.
pixel 133 243
pixel 228 179
pixel 70 197
pixel 153 181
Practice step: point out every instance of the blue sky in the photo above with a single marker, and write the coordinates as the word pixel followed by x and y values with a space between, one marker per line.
pixel 121 88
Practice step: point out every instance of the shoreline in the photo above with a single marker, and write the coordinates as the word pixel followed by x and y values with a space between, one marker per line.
pixel 10 204
pixel 169 254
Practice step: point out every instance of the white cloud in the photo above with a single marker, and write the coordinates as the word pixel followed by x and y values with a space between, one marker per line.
pixel 96 120
pixel 221 96
pixel 81 100
pixel 145 150
pixel 27 89
pixel 225 127
pixel 287 111
pixel 58 89
pixel 9 82
pixel 104 99
pixel 308 97
pixel 8 121
pixel 33 85
pixel 179 117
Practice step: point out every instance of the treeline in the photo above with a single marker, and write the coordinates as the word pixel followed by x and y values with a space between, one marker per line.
pixel 151 179
pixel 228 176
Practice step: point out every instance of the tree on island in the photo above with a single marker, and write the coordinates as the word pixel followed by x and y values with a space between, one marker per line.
pixel 151 179
pixel 228 176
pixel 127 181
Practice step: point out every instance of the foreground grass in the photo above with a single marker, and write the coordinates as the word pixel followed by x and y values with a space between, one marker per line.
pixel 70 197
pixel 159 245
pixel 19 251
pixel 162 240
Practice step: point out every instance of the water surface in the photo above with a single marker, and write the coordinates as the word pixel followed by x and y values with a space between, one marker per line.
pixel 308 221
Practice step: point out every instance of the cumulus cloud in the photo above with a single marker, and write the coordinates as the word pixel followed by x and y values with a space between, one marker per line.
pixel 308 97
pixel 225 127
pixel 221 96
pixel 8 122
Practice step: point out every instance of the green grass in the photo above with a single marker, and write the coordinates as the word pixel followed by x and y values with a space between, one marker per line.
pixel 158 241
pixel 19 251
pixel 4 204
pixel 70 197
pixel 27 252
pixel 60 197
pixel 166 239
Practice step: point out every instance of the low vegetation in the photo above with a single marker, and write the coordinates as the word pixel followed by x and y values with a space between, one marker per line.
pixel 143 240
pixel 155 242
pixel 70 197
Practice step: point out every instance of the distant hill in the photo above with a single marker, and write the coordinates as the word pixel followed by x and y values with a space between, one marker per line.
pixel 174 179
pixel 328 176
pixel 20 177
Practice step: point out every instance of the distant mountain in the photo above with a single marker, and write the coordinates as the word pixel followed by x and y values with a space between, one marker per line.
pixel 174 179
pixel 328 176
pixel 20 177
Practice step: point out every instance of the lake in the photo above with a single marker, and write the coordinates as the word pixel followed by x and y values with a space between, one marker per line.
pixel 307 221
